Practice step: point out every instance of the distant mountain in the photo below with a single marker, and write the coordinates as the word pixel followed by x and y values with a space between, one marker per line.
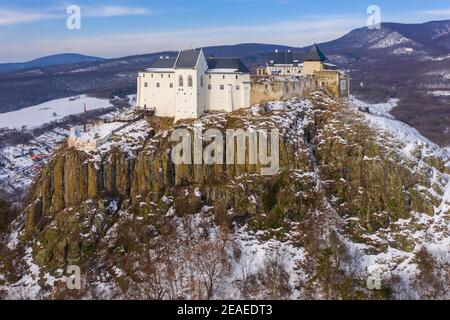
pixel 424 41
pixel 65 58
pixel 406 61
pixel 410 62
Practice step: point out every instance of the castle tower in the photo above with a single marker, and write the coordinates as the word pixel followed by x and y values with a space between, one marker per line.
pixel 314 60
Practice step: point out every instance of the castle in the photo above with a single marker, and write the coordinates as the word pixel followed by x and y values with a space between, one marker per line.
pixel 189 85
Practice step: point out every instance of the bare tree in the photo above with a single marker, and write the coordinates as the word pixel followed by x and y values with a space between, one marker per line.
pixel 211 264
pixel 244 284
pixel 274 276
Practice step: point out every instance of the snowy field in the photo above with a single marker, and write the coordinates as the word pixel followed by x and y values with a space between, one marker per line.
pixel 50 111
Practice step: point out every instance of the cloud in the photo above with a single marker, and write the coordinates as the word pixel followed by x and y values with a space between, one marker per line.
pixel 16 17
pixel 114 11
pixel 13 17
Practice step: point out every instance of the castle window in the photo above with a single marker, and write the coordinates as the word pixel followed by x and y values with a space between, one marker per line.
pixel 152 75
pixel 237 77
pixel 323 84
pixel 238 88
pixel 190 82
pixel 209 87
pixel 181 81
pixel 145 84
pixel 162 76
pixel 158 85
pixel 223 77
pixel 222 87
pixel 201 81
pixel 171 85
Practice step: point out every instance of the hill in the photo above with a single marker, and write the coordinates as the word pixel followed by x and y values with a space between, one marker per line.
pixel 358 195
pixel 65 58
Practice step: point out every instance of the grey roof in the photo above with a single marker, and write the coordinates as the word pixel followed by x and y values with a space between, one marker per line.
pixel 163 63
pixel 187 59
pixel 285 58
pixel 314 54
pixel 227 63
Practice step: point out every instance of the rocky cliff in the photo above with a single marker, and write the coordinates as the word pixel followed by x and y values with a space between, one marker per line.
pixel 349 198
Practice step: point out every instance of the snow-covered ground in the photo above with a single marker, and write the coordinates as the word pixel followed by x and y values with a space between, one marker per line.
pixel 50 111
pixel 379 117
pixel 99 132
pixel 403 50
pixel 19 163
pixel 381 109
pixel 440 93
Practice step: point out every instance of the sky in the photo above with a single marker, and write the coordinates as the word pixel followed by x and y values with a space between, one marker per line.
pixel 34 28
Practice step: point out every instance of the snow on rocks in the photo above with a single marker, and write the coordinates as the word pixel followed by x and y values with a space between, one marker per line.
pixel 378 117
pixel 440 94
pixel 392 39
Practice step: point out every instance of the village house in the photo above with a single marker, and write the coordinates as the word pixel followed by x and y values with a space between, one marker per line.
pixel 192 84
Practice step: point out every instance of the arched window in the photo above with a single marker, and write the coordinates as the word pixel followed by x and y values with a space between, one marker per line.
pixel 190 82
pixel 181 81
pixel 323 84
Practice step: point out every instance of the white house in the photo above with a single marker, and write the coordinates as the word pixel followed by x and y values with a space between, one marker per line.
pixel 191 84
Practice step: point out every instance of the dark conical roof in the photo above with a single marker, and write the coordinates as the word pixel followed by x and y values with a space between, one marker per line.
pixel 314 54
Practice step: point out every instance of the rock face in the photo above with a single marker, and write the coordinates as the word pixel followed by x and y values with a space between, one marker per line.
pixel 344 194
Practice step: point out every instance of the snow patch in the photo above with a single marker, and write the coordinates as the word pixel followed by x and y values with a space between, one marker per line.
pixel 50 111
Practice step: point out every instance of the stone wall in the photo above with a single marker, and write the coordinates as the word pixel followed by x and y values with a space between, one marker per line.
pixel 336 83
pixel 265 90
